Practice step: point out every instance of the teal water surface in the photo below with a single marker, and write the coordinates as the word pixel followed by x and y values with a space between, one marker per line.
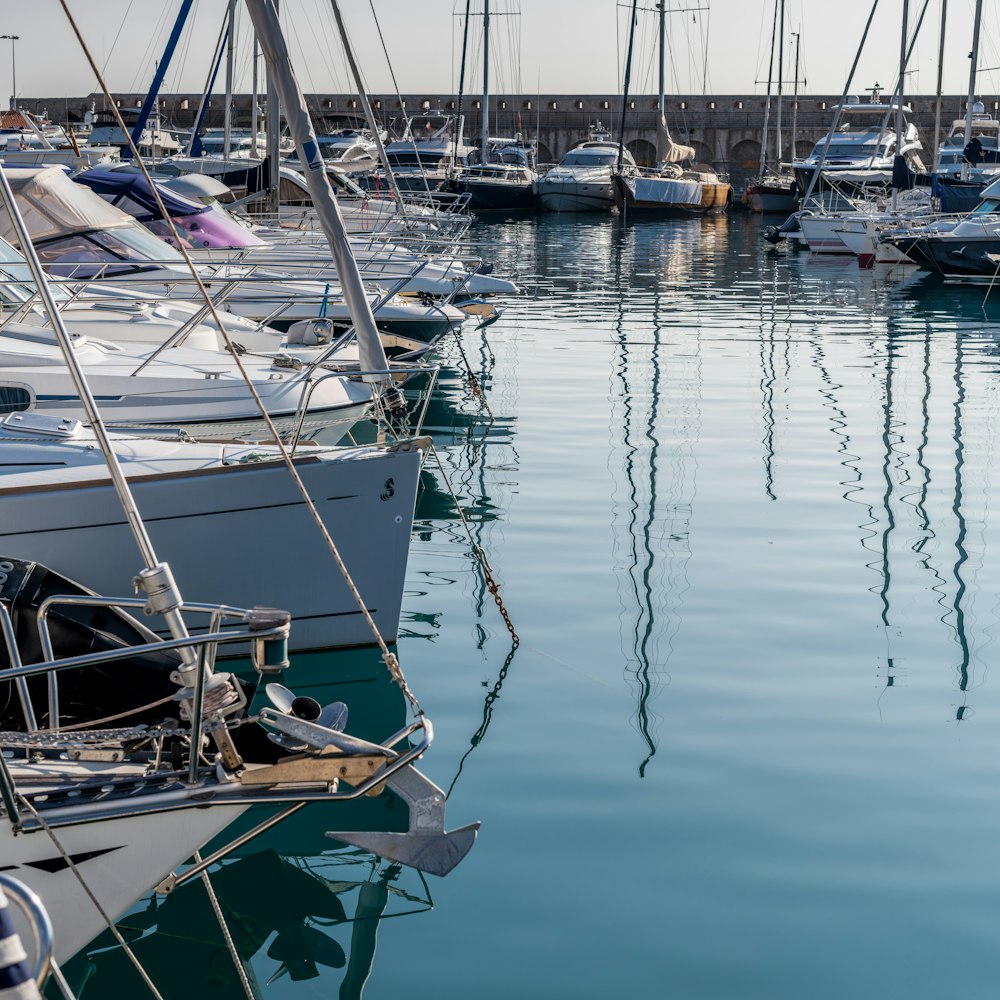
pixel 738 502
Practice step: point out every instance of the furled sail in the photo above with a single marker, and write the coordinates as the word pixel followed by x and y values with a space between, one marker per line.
pixel 668 151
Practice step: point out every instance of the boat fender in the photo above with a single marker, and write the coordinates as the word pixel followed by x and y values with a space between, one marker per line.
pixel 16 981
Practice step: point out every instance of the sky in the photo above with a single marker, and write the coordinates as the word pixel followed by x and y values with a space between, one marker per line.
pixel 547 46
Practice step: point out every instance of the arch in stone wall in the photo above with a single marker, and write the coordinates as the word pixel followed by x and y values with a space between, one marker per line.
pixel 744 156
pixel 543 154
pixel 803 147
pixel 643 152
pixel 703 153
pixel 744 161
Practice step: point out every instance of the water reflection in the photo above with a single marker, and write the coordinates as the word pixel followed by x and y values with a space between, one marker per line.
pixel 289 918
pixel 654 517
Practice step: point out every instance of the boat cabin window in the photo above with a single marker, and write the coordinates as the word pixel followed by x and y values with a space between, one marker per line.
pixel 16 282
pixel 127 249
pixel 855 149
pixel 14 398
pixel 427 160
pixel 591 158
pixel 989 206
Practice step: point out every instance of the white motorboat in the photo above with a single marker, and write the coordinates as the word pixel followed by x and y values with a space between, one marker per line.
pixel 582 180
pixel 215 234
pixel 201 392
pixel 865 141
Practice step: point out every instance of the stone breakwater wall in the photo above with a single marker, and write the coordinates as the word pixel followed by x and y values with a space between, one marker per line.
pixel 725 130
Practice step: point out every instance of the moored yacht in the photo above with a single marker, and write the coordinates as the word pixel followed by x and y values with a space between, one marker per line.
pixel 864 143
pixel 582 180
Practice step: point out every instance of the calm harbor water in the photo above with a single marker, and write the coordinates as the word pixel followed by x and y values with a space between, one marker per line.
pixel 738 501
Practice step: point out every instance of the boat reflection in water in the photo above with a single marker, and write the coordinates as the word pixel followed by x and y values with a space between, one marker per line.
pixel 656 400
pixel 906 460
pixel 290 917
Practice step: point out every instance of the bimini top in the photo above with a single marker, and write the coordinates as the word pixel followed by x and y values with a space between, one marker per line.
pixel 200 226
pixel 133 195
pixel 52 204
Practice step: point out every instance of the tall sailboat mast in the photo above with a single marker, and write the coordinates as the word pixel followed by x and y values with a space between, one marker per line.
pixel 483 149
pixel 781 73
pixel 227 131
pixel 973 71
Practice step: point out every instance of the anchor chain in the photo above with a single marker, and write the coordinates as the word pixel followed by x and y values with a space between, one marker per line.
pixel 477 551
pixel 473 384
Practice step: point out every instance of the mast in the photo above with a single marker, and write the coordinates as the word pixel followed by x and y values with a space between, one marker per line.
pixel 762 166
pixel 661 105
pixel 814 180
pixel 461 87
pixel 898 158
pixel 781 69
pixel 369 114
pixel 273 202
pixel 625 86
pixel 158 75
pixel 373 363
pixel 227 131
pixel 937 105
pixel 973 70
pixel 254 110
pixel 486 83
pixel 795 100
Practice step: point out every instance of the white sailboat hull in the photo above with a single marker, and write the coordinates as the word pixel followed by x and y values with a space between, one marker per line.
pixel 239 535
pixel 121 860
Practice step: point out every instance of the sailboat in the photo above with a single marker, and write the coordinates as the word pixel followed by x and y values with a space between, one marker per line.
pixel 775 191
pixel 505 176
pixel 92 819
pixel 670 188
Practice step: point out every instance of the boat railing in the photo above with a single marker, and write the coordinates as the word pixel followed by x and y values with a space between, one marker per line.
pixel 397 373
pixel 43 965
pixel 265 629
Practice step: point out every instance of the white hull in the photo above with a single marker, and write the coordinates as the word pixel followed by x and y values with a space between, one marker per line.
pixel 820 233
pixel 240 535
pixel 577 197
pixel 860 239
pixel 121 860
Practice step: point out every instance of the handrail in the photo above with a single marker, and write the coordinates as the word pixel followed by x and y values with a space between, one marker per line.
pixel 303 407
pixel 38 919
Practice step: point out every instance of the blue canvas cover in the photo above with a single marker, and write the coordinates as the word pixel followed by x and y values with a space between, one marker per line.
pixel 132 194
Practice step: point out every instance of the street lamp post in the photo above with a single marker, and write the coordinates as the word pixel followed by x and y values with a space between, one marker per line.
pixel 13 71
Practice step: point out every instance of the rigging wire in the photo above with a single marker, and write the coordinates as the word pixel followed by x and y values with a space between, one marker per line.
pixel 388 657
pixel 121 28
pixel 392 72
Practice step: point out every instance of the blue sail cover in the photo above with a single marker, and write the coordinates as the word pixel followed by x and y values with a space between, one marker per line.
pixel 132 194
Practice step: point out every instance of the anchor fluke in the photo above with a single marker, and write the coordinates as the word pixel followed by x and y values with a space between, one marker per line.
pixel 434 853
pixel 427 845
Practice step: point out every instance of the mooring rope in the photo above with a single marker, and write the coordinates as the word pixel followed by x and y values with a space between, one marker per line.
pixel 477 551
